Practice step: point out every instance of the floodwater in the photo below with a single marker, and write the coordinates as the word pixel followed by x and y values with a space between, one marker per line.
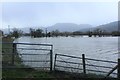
pixel 93 47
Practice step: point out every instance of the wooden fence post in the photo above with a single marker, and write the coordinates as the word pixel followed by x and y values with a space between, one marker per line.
pixel 51 60
pixel 84 67
pixel 55 61
pixel 118 71
pixel 13 53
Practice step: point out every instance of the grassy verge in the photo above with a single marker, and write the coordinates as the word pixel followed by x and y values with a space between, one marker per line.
pixel 25 73
pixel 6 58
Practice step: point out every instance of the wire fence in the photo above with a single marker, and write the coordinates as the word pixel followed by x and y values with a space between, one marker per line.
pixel 84 65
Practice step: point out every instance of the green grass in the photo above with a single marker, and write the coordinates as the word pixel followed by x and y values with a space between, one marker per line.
pixel 25 73
pixel 4 46
pixel 7 50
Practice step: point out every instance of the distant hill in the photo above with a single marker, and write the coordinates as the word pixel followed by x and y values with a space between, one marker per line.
pixel 70 27
pixel 113 26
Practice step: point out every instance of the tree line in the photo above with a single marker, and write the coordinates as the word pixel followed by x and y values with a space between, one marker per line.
pixel 55 33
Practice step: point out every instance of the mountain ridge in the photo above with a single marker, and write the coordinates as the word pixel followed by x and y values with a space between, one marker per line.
pixel 108 27
pixel 71 27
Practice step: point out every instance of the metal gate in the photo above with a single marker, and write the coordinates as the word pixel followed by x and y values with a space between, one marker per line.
pixel 28 55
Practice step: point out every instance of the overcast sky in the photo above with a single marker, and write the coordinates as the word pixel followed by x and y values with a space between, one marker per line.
pixel 27 14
